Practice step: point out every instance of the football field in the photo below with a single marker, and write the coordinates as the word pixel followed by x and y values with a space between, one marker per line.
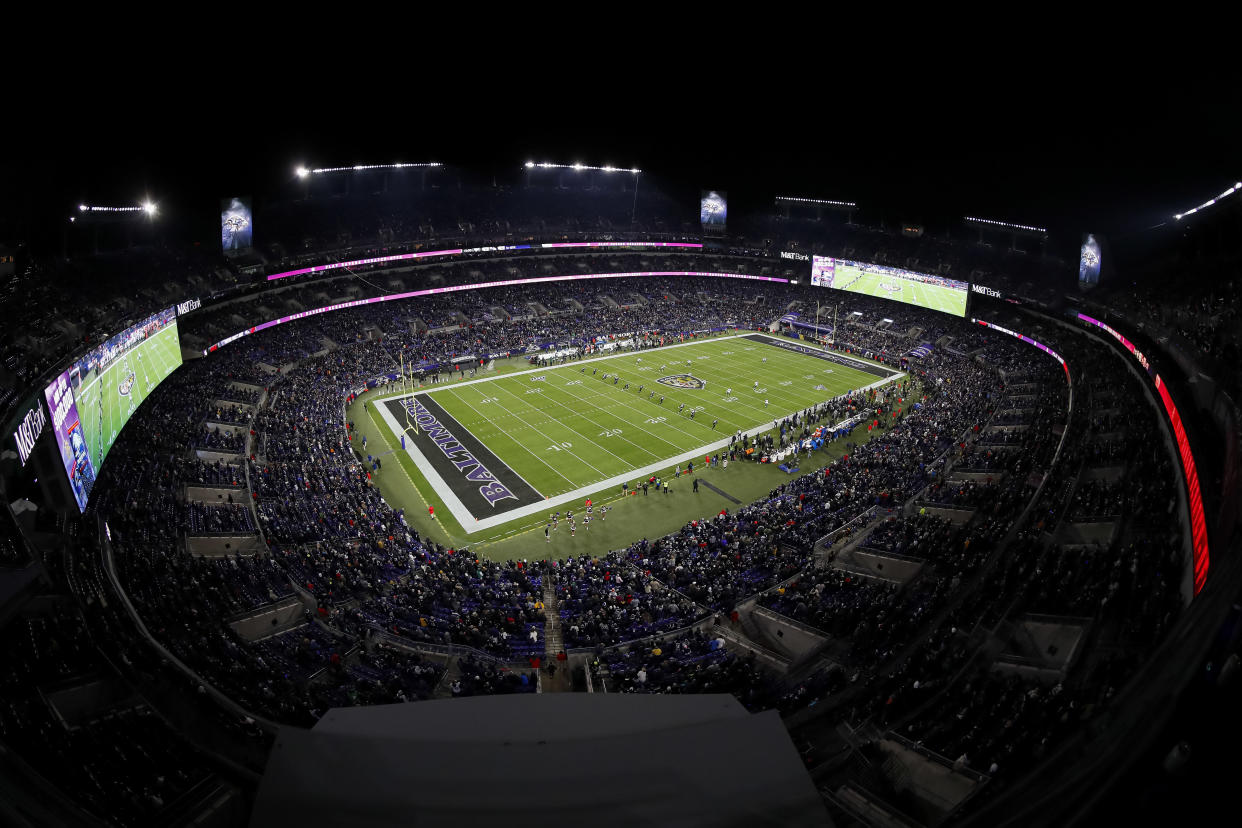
pixel 507 447
pixel 910 291
pixel 105 402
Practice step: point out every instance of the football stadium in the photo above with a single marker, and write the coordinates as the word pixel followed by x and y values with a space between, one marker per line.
pixel 638 485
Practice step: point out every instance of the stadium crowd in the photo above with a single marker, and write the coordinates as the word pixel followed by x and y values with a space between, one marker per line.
pixel 391 616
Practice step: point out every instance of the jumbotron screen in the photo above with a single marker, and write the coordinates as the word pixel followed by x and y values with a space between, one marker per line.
pixel 714 209
pixel 921 289
pixel 236 224
pixel 92 400
pixel 1089 259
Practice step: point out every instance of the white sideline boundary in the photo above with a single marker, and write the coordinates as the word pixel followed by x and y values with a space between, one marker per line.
pixel 471 524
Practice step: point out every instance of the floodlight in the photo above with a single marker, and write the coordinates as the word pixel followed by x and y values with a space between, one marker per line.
pixel 580 167
pixel 150 208
pixel 360 167
pixel 302 172
pixel 1235 188
pixel 817 201
pixel 1026 227
pixel 101 209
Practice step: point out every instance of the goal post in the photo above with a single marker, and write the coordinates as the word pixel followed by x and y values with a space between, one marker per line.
pixel 407 393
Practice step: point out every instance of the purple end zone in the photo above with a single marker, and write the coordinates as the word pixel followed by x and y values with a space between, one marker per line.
pixel 484 484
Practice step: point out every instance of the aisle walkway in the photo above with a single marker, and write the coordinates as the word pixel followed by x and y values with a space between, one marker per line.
pixel 553 644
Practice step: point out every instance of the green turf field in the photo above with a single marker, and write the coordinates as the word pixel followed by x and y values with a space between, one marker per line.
pixel 569 433
pixel 101 406
pixel 566 428
pixel 912 291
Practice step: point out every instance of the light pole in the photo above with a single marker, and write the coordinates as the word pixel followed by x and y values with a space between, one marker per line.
pixel 634 209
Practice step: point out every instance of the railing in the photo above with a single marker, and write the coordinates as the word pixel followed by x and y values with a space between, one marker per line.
pixel 831 538
pixel 754 596
pixel 948 507
pixel 352 651
pixel 444 649
pixel 742 641
pixel 884 553
pixel 768 612
pixel 927 753
pixel 283 602
pixel 705 621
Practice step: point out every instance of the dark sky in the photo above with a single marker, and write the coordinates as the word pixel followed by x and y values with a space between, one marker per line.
pixel 1115 150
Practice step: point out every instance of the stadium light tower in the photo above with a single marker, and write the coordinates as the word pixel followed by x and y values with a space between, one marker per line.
pixel 1014 230
pixel 819 205
pixel 94 217
pixel 580 167
pixel 607 168
pixel 307 173
pixel 149 207
pixel 1237 187
pixel 93 208
pixel 303 171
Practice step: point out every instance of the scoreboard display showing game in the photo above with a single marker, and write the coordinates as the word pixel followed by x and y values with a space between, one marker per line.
pixel 937 293
pixel 91 401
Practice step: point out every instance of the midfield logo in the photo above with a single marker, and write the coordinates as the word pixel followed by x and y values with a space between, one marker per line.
pixel 683 381
pixel 127 385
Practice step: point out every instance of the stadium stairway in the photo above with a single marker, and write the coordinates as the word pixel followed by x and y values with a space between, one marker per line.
pixel 452 672
pixel 553 644
pixel 828 550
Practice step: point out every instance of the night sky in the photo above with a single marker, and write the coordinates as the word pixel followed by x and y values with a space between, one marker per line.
pixel 1114 152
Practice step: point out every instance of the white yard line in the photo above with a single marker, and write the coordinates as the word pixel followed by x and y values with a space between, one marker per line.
pixel 771 392
pixel 84 388
pixel 668 421
pixel 518 442
pixel 564 424
pixel 616 417
pixel 664 390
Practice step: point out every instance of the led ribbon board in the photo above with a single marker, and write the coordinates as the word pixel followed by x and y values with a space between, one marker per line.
pixel 457 251
pixel 1198 523
pixel 1041 346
